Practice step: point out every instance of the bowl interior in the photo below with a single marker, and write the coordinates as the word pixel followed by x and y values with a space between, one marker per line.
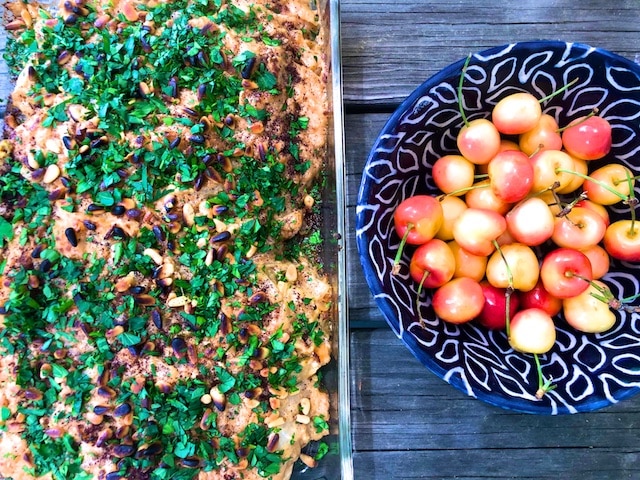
pixel 590 371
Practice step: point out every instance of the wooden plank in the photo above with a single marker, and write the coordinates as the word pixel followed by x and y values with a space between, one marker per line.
pixel 389 48
pixel 361 131
pixel 446 434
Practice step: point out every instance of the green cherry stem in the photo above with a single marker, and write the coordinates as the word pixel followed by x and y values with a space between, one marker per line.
pixel 632 201
pixel 598 182
pixel 560 90
pixel 396 261
pixel 509 291
pixel 544 384
pixel 460 82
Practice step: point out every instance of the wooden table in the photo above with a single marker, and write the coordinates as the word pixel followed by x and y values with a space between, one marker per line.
pixel 406 422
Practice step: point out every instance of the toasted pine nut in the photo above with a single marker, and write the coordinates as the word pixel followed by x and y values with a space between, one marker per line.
pixel 154 255
pixel 292 273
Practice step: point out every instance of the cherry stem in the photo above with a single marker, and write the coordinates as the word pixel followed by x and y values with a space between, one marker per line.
pixel 569 206
pixel 396 261
pixel 460 99
pixel 544 385
pixel 597 182
pixel 632 201
pixel 508 291
pixel 583 119
pixel 455 193
pixel 418 293
pixel 560 90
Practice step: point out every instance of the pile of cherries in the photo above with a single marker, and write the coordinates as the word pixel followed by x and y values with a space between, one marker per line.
pixel 521 230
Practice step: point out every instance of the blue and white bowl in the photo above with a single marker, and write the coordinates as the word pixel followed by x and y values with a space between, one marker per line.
pixel 590 371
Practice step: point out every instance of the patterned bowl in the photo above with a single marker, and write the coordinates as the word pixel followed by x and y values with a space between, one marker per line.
pixel 590 371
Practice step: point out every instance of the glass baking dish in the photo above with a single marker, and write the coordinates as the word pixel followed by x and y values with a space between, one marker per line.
pixel 337 463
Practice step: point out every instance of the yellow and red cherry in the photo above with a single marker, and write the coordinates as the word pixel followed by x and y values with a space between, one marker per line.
pixel 516 113
pixel 458 301
pixel 515 265
pixel 551 167
pixel 580 228
pixel 531 222
pixel 599 259
pixel 532 331
pixel 587 312
pixel 608 184
pixel 588 137
pixel 416 220
pixel 511 175
pixel 453 174
pixel 432 264
pixel 596 207
pixel 494 312
pixel 468 264
pixel 452 207
pixel 565 272
pixel 476 229
pixel 622 240
pixel 539 297
pixel 580 170
pixel 544 136
pixel 478 141
pixel 484 197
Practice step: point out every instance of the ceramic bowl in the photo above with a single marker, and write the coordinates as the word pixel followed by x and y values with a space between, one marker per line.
pixel 590 371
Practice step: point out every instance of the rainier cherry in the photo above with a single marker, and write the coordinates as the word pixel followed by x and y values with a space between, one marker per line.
pixel 532 331
pixel 599 259
pixel 609 184
pixel 549 167
pixel 468 264
pixel 432 264
pixel 516 113
pixel 565 272
pixel 531 222
pixel 511 175
pixel 478 141
pixel 458 301
pixel 417 219
pixel 580 228
pixel 520 271
pixel 453 174
pixel 587 137
pixel 452 207
pixel 484 197
pixel 587 312
pixel 476 229
pixel 622 240
pixel 544 136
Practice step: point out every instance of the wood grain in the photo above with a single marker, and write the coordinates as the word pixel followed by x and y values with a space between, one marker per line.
pixel 407 424
pixel 389 48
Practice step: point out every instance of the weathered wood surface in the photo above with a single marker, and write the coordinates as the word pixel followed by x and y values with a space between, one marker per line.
pixel 407 423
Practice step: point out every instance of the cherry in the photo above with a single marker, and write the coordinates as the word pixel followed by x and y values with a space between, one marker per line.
pixel 516 113
pixel 478 140
pixel 511 175
pixel 416 219
pixel 588 137
pixel 544 136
